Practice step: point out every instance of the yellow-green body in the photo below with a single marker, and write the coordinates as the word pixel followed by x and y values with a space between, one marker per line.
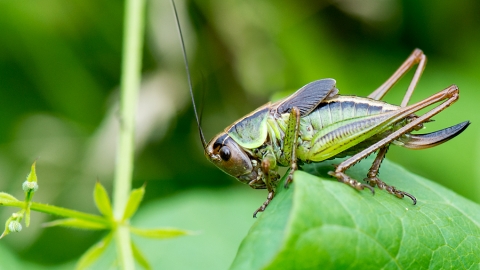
pixel 339 126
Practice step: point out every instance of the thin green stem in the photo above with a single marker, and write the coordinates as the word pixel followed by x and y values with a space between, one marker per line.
pixel 59 211
pixel 131 71
pixel 131 65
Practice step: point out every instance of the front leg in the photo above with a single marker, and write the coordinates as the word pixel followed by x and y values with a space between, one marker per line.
pixel 270 177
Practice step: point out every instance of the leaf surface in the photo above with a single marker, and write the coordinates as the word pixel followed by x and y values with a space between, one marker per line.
pixel 159 233
pixel 318 223
pixel 102 201
pixel 76 223
pixel 134 200
pixel 94 252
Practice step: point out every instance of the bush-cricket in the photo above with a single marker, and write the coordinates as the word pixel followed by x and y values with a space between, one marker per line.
pixel 316 123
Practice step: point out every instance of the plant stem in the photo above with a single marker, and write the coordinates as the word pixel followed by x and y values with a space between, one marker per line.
pixel 131 73
pixel 59 211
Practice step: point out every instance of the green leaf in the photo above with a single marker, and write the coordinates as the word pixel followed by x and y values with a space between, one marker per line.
pixel 321 223
pixel 134 200
pixel 76 223
pixel 32 176
pixel 139 257
pixel 5 197
pixel 94 252
pixel 160 233
pixel 102 201
pixel 222 215
pixel 6 231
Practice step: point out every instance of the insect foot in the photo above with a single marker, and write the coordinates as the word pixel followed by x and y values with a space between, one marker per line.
pixel 265 204
pixel 373 180
pixel 289 179
pixel 350 181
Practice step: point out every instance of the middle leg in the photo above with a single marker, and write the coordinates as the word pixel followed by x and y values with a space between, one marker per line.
pixel 290 143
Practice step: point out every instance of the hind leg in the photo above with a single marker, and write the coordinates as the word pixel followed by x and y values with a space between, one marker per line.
pixel 373 180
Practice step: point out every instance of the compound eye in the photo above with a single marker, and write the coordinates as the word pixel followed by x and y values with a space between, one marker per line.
pixel 225 153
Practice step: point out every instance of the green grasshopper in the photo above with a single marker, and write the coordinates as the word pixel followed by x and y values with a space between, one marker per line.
pixel 316 123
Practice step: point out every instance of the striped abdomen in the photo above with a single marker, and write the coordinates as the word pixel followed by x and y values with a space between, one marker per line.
pixel 338 126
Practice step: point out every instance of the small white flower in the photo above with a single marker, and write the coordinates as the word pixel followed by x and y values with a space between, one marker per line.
pixel 29 186
pixel 14 226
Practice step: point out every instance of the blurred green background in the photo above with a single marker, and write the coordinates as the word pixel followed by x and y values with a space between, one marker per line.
pixel 59 76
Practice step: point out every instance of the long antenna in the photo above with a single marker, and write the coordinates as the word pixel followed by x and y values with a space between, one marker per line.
pixel 202 137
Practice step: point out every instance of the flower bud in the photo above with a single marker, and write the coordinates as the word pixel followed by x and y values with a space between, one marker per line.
pixel 29 186
pixel 14 226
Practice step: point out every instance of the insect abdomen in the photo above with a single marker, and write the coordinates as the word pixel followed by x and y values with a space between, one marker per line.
pixel 340 123
pixel 338 109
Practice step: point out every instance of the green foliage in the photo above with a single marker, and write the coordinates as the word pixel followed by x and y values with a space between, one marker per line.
pixel 140 258
pixel 13 224
pixel 220 218
pixel 77 224
pixel 94 252
pixel 319 223
pixel 136 196
pixel 59 74
pixel 102 201
pixel 158 233
pixel 80 220
pixel 29 187
pixel 5 198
